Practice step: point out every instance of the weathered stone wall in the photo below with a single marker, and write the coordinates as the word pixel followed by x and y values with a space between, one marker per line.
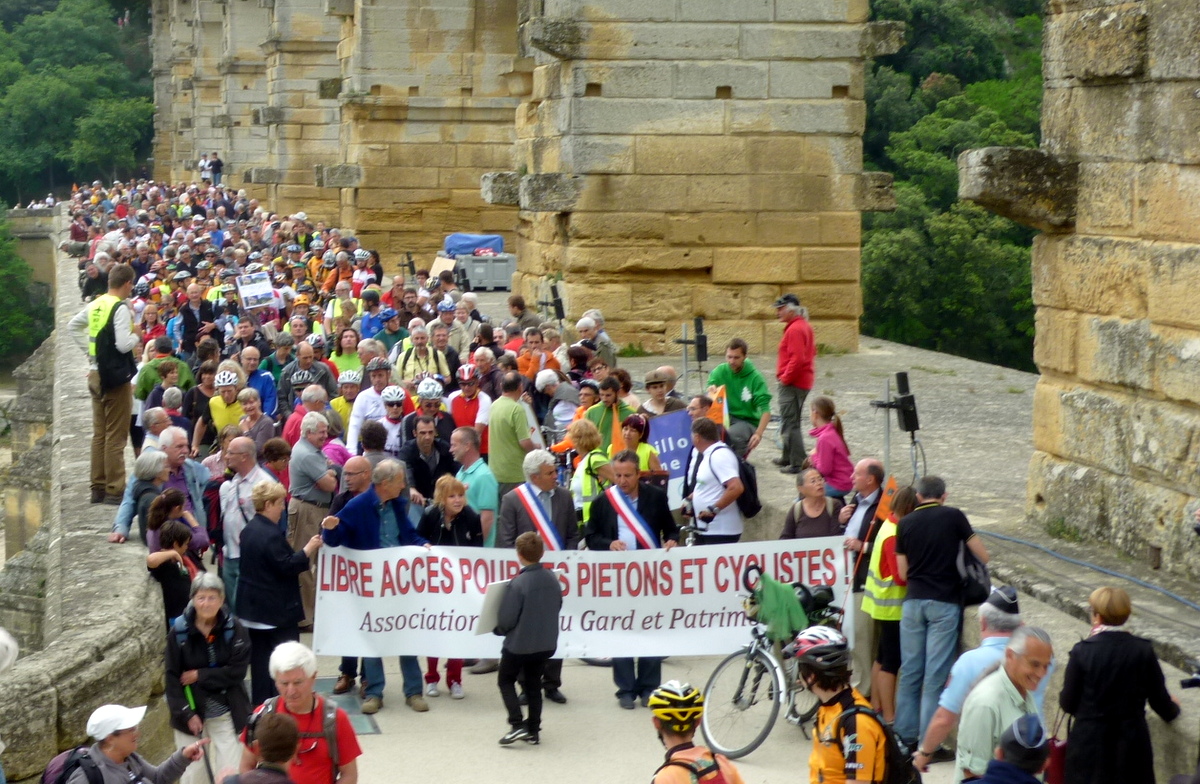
pixel 1116 188
pixel 698 158
pixel 34 232
pixel 87 616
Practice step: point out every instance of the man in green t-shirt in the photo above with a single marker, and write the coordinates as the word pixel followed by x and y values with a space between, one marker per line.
pixel 509 434
pixel 746 395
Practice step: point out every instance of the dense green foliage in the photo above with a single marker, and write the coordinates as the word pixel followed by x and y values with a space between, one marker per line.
pixel 25 319
pixel 74 93
pixel 939 273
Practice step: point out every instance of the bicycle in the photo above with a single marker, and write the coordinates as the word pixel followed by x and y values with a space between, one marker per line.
pixel 747 690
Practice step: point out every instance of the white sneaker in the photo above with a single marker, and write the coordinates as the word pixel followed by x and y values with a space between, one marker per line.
pixel 432 690
pixel 456 692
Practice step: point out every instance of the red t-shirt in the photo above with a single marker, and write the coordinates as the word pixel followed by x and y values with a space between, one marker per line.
pixel 312 764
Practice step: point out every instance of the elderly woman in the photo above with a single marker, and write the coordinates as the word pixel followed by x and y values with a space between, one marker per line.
pixel 815 514
pixel 215 463
pixel 254 424
pixel 1110 677
pixel 268 596
pixel 208 651
pixel 150 471
pixel 115 729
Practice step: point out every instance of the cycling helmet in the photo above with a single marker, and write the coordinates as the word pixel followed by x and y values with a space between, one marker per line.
pixel 467 372
pixel 307 288
pixel 329 263
pixel 379 363
pixel 821 648
pixel 293 248
pixel 253 268
pixel 254 256
pixel 446 307
pixel 181 275
pixel 301 378
pixel 677 705
pixel 210 252
pixel 387 314
pixel 204 265
pixel 429 389
pixel 362 255
pixel 301 300
pixel 228 273
pixel 315 311
pixel 141 289
pixel 316 245
pixel 315 340
pixel 392 394
pixel 350 377
pixel 226 378
pixel 229 288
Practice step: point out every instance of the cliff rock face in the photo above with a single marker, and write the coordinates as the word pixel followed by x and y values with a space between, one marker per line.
pixel 1116 189
pixel 666 159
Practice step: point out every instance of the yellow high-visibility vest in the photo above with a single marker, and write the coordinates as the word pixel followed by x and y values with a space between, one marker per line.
pixel 882 599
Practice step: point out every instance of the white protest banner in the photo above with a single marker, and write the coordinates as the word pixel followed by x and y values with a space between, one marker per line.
pixel 686 601
pixel 255 290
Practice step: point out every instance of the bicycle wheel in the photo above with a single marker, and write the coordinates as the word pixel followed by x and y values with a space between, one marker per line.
pixel 741 702
pixel 802 703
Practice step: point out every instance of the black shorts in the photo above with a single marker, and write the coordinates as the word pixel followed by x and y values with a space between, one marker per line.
pixel 888 657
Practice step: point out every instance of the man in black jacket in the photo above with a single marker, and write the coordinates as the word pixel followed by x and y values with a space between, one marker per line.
pixel 528 622
pixel 632 515
pixel 427 459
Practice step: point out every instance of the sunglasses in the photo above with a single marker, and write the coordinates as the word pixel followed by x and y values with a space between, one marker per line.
pixel 393 405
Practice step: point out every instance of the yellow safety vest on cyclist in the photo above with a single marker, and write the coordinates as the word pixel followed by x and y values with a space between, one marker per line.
pixel 882 597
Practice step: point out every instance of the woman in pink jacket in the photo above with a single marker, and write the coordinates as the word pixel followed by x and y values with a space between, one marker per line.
pixel 830 456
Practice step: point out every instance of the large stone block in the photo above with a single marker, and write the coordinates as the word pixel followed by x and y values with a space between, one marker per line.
pixel 652 300
pixel 621 193
pixel 1105 202
pixel 1171 39
pixel 1055 340
pixel 1095 428
pixel 1028 186
pixel 797 116
pixel 756 265
pixel 594 260
pixel 1174 281
pixel 710 228
pixel 1101 43
pixel 1097 275
pixel 645 79
pixel 550 192
pixel 721 332
pixel 1175 363
pixel 690 155
pixel 1047 416
pixel 570 39
pixel 835 79
pixel 831 300
pixel 1116 351
pixel 788 228
pixel 1168 202
pixel 721 11
pixel 501 188
pixel 819 265
pixel 834 334
pixel 1166 444
pixel 593 11
pixel 344 175
pixel 609 227
pixel 615 301
pixel 704 80
pixel 801 42
pixel 597 155
pixel 632 116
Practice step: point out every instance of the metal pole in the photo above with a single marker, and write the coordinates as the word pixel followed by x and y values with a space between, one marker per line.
pixel 686 381
pixel 887 428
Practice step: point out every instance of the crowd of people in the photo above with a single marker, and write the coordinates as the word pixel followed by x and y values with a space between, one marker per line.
pixel 341 407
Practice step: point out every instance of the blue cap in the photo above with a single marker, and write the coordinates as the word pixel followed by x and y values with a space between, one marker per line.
pixel 387 314
pixel 445 307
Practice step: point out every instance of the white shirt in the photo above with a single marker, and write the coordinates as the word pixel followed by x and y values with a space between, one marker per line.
pixel 237 507
pixel 854 526
pixel 368 405
pixel 123 336
pixel 624 532
pixel 718 466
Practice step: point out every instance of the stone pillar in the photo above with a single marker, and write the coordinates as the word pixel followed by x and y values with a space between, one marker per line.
pixel 301 113
pixel 208 44
pixel 696 159
pixel 1117 410
pixel 426 111
pixel 243 73
pixel 172 50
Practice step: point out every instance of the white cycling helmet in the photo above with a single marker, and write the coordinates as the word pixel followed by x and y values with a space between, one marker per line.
pixel 392 394
pixel 350 377
pixel 226 378
pixel 429 389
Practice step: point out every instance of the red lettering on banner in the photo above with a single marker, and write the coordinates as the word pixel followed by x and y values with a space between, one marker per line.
pixel 387 585
pixel 325 585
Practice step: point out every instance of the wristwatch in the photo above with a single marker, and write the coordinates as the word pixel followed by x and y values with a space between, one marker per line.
pixel 714 510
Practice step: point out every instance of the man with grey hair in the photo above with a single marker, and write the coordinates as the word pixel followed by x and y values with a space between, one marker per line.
pixel 491 377
pixel 590 328
pixel 794 372
pixel 419 358
pixel 377 518
pixel 305 360
pixel 184 474
pixel 999 617
pixel 314 480
pixel 237 506
pixel 1001 698
pixel 541 506
pixel 312 400
pixel 154 421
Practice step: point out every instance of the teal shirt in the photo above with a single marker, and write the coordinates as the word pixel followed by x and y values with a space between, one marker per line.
pixel 483 494
pixel 746 393
pixel 389 529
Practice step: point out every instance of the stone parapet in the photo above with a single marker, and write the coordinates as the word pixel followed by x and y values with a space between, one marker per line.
pixel 1115 186
pixel 87 616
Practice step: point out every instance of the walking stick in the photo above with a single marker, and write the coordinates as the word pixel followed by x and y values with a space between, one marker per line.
pixel 191 700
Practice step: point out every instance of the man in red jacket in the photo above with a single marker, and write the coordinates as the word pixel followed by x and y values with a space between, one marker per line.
pixel 794 370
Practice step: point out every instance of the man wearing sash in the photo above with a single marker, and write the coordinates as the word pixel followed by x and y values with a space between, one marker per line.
pixel 540 505
pixel 632 515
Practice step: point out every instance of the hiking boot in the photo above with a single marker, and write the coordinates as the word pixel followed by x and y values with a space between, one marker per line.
pixel 417 703
pixel 456 691
pixel 514 735
pixel 372 705
pixel 344 684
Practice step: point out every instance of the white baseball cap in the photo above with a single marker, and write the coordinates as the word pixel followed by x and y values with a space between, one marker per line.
pixel 108 719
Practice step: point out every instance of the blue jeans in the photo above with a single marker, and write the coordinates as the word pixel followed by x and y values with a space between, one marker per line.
pixel 410 672
pixel 928 641
pixel 833 492
pixel 637 677
pixel 231 570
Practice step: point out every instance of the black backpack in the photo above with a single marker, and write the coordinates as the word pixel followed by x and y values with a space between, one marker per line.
pixel 328 729
pixel 898 767
pixel 700 769
pixel 60 769
pixel 748 502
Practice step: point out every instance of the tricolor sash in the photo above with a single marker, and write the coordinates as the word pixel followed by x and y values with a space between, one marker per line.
pixel 628 512
pixel 541 520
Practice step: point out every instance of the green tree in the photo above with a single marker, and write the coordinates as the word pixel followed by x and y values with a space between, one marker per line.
pixel 108 136
pixel 76 32
pixel 957 37
pixel 25 319
pixel 37 122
